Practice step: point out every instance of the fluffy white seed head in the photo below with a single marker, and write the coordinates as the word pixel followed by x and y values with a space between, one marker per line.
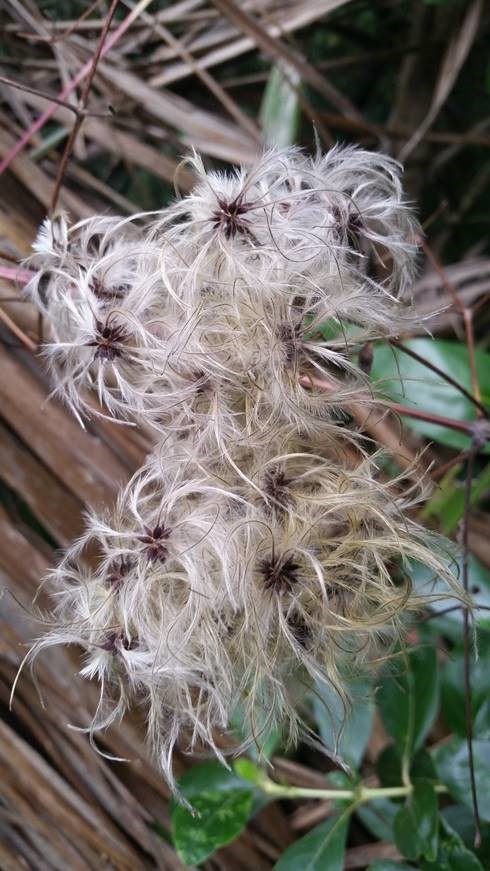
pixel 256 551
pixel 212 595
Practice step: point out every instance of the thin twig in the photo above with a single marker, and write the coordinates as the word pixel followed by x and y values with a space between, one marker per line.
pixel 213 86
pixel 442 137
pixel 65 33
pixel 77 110
pixel 16 330
pixel 464 312
pixel 449 287
pixel 13 299
pixel 435 614
pixel 441 470
pixel 82 106
pixel 114 37
pixel 276 49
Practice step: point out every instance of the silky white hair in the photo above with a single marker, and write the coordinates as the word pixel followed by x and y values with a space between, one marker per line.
pixel 259 548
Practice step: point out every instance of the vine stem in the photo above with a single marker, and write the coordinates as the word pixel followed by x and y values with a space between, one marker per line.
pixel 360 794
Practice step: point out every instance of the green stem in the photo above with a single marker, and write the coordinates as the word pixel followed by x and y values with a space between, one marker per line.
pixel 359 794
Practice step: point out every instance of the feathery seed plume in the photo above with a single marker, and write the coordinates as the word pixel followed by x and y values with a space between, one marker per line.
pixel 259 549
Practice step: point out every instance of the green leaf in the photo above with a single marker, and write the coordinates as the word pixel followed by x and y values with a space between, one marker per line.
pixel 453 695
pixel 408 700
pixel 389 865
pixel 451 763
pixel 422 767
pixel 451 624
pixel 209 776
pixel 345 731
pixel 452 854
pixel 461 819
pixel 377 816
pixel 249 771
pixel 481 723
pixel 336 330
pixel 222 803
pixel 404 380
pixel 280 111
pixel 389 766
pixel 415 826
pixel 322 849
pixel 448 502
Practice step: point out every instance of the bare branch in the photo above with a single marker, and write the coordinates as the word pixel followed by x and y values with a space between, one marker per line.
pixel 82 106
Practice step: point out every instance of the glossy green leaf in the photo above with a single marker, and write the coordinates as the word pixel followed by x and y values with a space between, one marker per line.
pixel 481 723
pixel 389 766
pixel 451 761
pixel 453 695
pixel 221 803
pixel 422 767
pixel 248 770
pixel 347 730
pixel 280 110
pixel 408 698
pixel 219 817
pixel 377 816
pixel 452 854
pixel 209 775
pixel 322 849
pixel 416 824
pixel 404 380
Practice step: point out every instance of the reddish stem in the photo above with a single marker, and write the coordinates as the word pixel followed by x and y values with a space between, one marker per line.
pixel 449 422
pixel 82 106
pixel 468 427
pixel 15 274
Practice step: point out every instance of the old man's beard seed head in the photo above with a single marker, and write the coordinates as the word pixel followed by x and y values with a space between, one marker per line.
pixel 259 549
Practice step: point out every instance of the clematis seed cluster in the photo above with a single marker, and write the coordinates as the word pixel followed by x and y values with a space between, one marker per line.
pixel 259 551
